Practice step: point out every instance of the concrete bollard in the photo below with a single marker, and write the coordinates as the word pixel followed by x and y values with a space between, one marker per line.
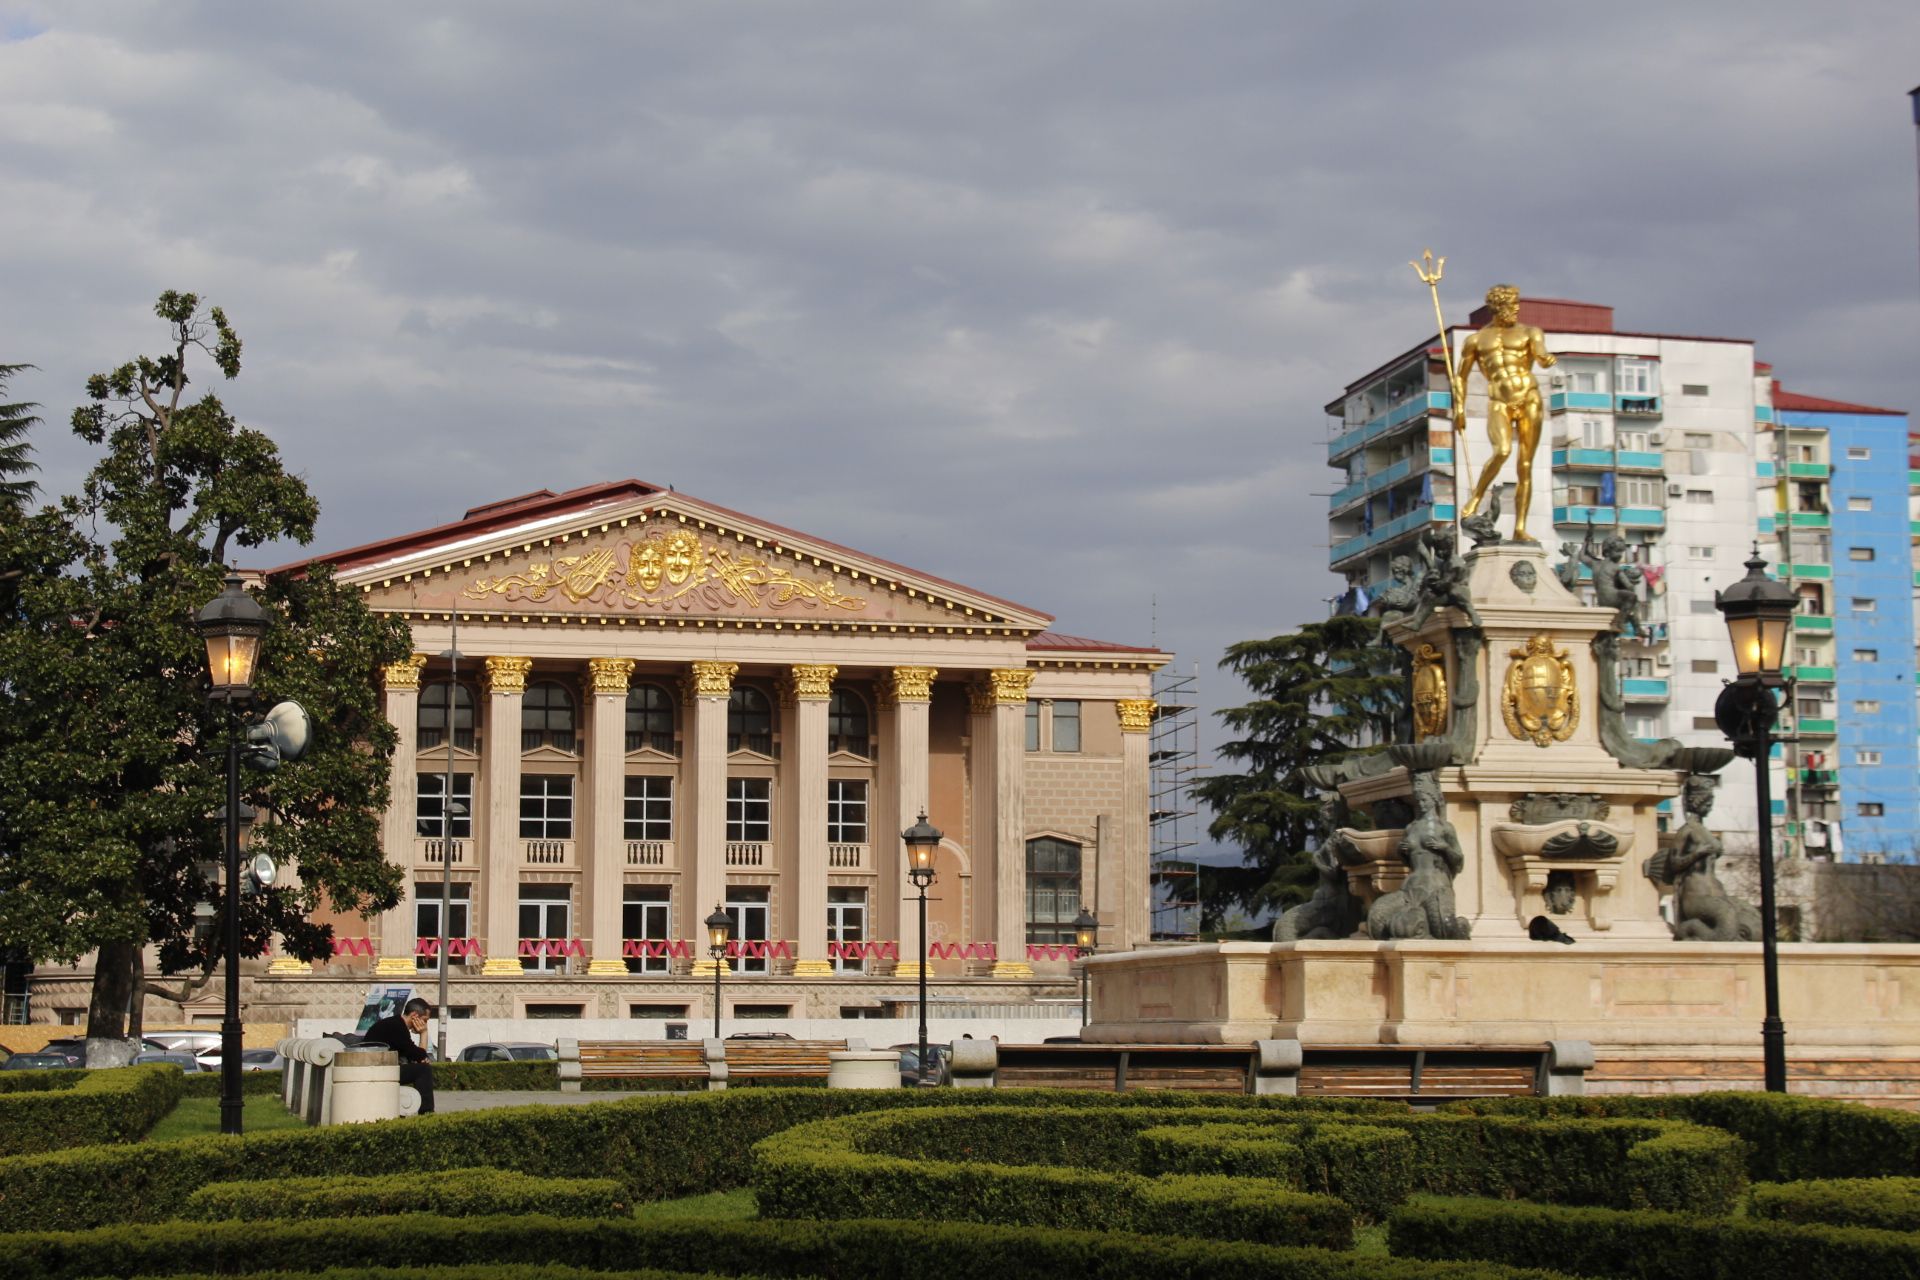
pixel 1568 1062
pixel 863 1069
pixel 364 1085
pixel 974 1064
pixel 1276 1067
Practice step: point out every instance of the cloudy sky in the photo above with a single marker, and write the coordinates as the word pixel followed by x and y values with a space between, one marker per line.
pixel 1043 298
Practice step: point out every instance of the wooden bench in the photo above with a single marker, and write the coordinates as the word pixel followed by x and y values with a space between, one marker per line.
pixel 1410 1073
pixel 748 1060
pixel 1213 1068
pixel 633 1060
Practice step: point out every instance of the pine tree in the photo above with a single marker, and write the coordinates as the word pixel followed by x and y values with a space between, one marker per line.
pixel 15 453
pixel 1318 692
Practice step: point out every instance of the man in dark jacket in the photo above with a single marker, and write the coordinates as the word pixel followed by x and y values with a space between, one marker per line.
pixel 400 1032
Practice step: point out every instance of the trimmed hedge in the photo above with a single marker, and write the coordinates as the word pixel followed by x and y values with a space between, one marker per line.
pixel 659 1146
pixel 39 1081
pixel 483 1271
pixel 1647 1245
pixel 1791 1137
pixel 1890 1204
pixel 873 1250
pixel 99 1107
pixel 1226 1150
pixel 451 1193
pixel 814 1171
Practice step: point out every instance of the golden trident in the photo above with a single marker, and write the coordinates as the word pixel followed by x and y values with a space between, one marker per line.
pixel 1430 276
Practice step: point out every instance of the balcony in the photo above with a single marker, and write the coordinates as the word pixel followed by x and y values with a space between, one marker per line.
pixel 1413 407
pixel 1813 622
pixel 1583 515
pixel 548 854
pixel 435 853
pixel 1808 470
pixel 849 857
pixel 1819 777
pixel 1561 401
pixel 1809 520
pixel 1800 569
pixel 1816 728
pixel 1637 460
pixel 649 853
pixel 1589 459
pixel 748 853
pixel 1643 517
pixel 1644 689
pixel 1815 675
pixel 1637 406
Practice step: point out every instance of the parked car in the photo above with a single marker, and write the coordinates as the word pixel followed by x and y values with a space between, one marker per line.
pixel 197 1043
pixel 73 1049
pixel 250 1060
pixel 38 1062
pixel 185 1061
pixel 508 1051
pixel 937 1055
pixel 759 1035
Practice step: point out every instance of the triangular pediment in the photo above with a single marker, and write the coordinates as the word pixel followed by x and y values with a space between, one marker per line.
pixel 660 556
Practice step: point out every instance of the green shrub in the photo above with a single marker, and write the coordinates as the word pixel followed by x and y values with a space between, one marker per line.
pixel 39 1081
pixel 1647 1245
pixel 105 1106
pixel 452 1193
pixel 1369 1167
pixel 484 1271
pixel 873 1250
pixel 1687 1170
pixel 1890 1204
pixel 659 1146
pixel 1231 1150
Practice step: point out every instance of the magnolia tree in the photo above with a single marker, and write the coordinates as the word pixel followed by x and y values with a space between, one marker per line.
pixel 112 794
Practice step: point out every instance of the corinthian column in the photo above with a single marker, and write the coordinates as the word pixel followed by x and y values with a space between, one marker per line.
pixel 810 685
pixel 911 693
pixel 1136 718
pixel 606 787
pixel 707 687
pixel 1007 692
pixel 397 827
pixel 504 683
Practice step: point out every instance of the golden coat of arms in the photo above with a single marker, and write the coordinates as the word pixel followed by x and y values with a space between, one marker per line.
pixel 1539 701
pixel 1429 693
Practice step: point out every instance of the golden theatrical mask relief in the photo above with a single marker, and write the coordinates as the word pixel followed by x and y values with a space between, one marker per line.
pixel 1539 700
pixel 667 569
pixel 1505 352
pixel 1429 693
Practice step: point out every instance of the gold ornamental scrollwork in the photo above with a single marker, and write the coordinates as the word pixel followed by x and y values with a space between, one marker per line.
pixel 913 684
pixel 810 681
pixel 610 675
pixel 506 675
pixel 1010 685
pixel 711 679
pixel 1539 699
pixel 1136 714
pixel 404 674
pixel 667 569
pixel 1429 692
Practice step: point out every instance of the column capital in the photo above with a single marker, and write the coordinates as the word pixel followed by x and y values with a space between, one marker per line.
pixel 710 679
pixel 610 675
pixel 911 684
pixel 1009 685
pixel 808 682
pixel 404 674
pixel 506 675
pixel 1136 714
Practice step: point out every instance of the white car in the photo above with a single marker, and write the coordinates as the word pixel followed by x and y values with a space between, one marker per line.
pixel 508 1051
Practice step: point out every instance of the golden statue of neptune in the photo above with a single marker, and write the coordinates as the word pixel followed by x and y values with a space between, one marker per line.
pixel 1506 352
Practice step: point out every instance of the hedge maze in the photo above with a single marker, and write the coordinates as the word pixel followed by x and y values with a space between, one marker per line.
pixel 904 1183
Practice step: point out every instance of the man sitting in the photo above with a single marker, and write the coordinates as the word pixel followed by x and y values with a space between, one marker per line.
pixel 400 1032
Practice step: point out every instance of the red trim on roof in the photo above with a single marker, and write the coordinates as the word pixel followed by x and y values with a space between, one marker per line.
pixel 1793 401
pixel 1055 640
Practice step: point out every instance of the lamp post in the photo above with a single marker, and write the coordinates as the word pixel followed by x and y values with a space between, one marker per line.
pixel 231 626
pixel 922 839
pixel 719 926
pixel 1759 613
pixel 1086 940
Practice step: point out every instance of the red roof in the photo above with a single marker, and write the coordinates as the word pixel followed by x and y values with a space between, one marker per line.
pixel 1562 315
pixel 1055 640
pixel 1794 401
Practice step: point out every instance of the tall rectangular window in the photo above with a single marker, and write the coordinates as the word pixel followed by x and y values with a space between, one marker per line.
pixel 646 916
pixel 1033 725
pixel 1053 889
pixel 749 810
pixel 1635 378
pixel 847 927
pixel 426 917
pixel 546 806
pixel 546 924
pixel 429 812
pixel 846 811
pixel 1066 726
pixel 648 808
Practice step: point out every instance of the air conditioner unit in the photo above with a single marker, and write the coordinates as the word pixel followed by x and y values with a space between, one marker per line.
pixel 1663 661
pixel 1675 489
pixel 1656 437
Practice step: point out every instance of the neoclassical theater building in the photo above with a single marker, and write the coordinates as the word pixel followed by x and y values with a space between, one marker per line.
pixel 659 706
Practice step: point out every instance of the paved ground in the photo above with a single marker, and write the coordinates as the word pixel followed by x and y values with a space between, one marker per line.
pixel 485 1100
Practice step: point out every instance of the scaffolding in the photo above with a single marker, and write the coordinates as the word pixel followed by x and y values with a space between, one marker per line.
pixel 1173 760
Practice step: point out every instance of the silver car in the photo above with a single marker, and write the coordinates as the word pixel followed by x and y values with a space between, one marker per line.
pixel 509 1051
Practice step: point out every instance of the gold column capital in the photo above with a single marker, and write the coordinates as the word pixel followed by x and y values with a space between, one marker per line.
pixel 913 684
pixel 404 674
pixel 1136 714
pixel 506 675
pixel 1010 685
pixel 808 682
pixel 711 679
pixel 610 675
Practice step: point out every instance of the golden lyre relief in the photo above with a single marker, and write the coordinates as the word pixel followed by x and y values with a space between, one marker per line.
pixel 1539 700
pixel 1429 693
pixel 1506 352
pixel 669 568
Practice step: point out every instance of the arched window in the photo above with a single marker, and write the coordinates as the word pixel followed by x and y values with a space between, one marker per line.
pixel 546 717
pixel 1053 889
pixel 848 727
pixel 749 721
pixel 649 718
pixel 432 721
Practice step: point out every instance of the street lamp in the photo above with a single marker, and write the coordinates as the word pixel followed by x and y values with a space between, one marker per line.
pixel 447 811
pixel 1086 940
pixel 719 926
pixel 1759 613
pixel 232 625
pixel 922 839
